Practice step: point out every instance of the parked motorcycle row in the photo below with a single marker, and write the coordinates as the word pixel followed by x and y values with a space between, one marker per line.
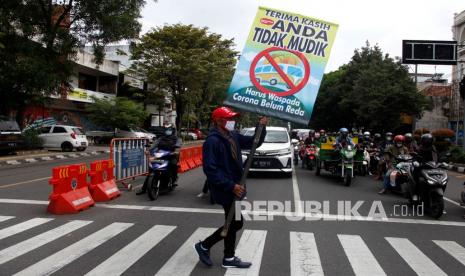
pixel 420 182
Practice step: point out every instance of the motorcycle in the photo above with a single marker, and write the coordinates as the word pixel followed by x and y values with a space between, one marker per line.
pixel 343 166
pixel 295 143
pixel 362 160
pixel 159 179
pixel 310 156
pixel 431 184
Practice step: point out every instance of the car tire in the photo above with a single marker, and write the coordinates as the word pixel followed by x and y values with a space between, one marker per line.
pixel 66 146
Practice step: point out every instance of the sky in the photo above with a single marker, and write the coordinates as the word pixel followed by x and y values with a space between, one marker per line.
pixel 385 23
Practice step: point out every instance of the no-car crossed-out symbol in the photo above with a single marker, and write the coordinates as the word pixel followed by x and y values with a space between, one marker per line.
pixel 293 88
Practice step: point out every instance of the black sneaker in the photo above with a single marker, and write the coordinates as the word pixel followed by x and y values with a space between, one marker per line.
pixel 236 262
pixel 141 192
pixel 204 255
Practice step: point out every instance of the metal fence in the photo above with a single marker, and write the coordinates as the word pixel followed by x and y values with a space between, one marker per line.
pixel 129 157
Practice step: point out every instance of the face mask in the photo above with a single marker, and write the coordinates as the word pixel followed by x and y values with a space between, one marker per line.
pixel 168 132
pixel 399 145
pixel 230 125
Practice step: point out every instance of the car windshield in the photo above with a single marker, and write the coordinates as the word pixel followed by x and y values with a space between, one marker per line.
pixel 9 125
pixel 272 136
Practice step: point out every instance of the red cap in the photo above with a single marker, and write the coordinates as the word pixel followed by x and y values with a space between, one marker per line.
pixel 223 113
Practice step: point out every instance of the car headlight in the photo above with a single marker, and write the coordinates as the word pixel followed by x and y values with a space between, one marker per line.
pixel 284 152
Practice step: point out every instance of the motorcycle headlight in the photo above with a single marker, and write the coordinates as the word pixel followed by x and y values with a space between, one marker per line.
pixel 349 154
pixel 416 164
pixel 431 182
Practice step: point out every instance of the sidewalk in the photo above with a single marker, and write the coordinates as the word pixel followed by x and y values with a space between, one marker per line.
pixel 34 156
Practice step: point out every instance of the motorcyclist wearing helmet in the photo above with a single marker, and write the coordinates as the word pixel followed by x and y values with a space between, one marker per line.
pixel 323 136
pixel 410 143
pixel 311 138
pixel 169 141
pixel 427 151
pixel 390 154
pixel 343 139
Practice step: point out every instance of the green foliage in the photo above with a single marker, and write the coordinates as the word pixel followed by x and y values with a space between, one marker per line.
pixel 31 139
pixel 118 113
pixel 193 65
pixel 372 90
pixel 457 155
pixel 39 39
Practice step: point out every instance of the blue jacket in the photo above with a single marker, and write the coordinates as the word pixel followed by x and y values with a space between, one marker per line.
pixel 222 171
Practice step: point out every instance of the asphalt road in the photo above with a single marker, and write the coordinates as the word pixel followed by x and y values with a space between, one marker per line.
pixel 134 236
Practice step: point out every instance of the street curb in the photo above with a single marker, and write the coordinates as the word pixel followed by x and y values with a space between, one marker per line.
pixel 28 160
pixel 457 168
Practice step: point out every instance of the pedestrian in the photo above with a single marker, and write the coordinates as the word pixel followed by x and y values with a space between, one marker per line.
pixel 222 164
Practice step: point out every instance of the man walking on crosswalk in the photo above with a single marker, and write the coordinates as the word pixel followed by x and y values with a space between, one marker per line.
pixel 222 164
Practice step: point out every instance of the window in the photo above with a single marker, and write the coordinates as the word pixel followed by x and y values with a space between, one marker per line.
pixel 45 129
pixel 294 71
pixel 107 84
pixel 258 69
pixel 266 69
pixel 87 82
pixel 78 131
pixel 8 125
pixel 59 130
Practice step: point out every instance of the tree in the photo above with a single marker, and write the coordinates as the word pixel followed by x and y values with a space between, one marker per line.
pixel 371 91
pixel 192 65
pixel 117 113
pixel 40 38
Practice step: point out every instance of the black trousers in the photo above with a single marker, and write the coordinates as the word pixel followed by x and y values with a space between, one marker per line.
pixel 230 239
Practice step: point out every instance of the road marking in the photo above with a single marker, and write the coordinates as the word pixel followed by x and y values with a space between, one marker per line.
pixel 26 246
pixel 305 259
pixel 24 182
pixel 118 263
pixel 23 226
pixel 418 261
pixel 63 257
pixel 311 216
pixel 250 248
pixel 454 249
pixel 3 218
pixel 185 259
pixel 360 257
pixel 453 202
pixel 295 187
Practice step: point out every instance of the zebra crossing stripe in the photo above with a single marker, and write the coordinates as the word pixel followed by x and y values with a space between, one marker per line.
pixel 454 249
pixel 185 259
pixel 26 246
pixel 126 257
pixel 418 261
pixel 250 248
pixel 360 257
pixel 305 259
pixel 3 218
pixel 23 226
pixel 63 257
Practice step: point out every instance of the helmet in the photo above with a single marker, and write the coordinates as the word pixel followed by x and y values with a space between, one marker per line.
pixel 169 129
pixel 223 113
pixel 408 137
pixel 377 136
pixel 344 132
pixel 426 140
pixel 317 135
pixel 366 135
pixel 399 139
pixel 388 136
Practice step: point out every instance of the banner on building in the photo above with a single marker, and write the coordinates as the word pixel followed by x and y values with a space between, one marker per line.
pixel 281 67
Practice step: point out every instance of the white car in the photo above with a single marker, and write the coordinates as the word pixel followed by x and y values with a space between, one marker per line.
pixel 135 132
pixel 275 154
pixel 63 137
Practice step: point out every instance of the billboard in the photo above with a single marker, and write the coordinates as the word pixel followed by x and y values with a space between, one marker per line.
pixel 429 52
pixel 282 64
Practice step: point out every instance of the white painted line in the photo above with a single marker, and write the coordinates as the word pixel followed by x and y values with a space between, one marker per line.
pixel 84 154
pixel 360 257
pixel 26 246
pixel 295 187
pixel 13 162
pixel 418 261
pixel 63 257
pixel 454 249
pixel 312 216
pixel 3 218
pixel 23 226
pixel 73 155
pixel 453 202
pixel 60 156
pixel 118 263
pixel 250 249
pixel 30 160
pixel 185 259
pixel 305 259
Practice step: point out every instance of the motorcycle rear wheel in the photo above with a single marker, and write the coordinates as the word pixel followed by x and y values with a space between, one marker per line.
pixel 153 187
pixel 347 178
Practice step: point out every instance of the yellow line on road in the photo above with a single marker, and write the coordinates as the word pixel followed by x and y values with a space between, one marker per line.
pixel 24 182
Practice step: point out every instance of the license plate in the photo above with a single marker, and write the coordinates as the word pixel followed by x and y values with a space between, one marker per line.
pixel 12 144
pixel 262 164
pixel 83 143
